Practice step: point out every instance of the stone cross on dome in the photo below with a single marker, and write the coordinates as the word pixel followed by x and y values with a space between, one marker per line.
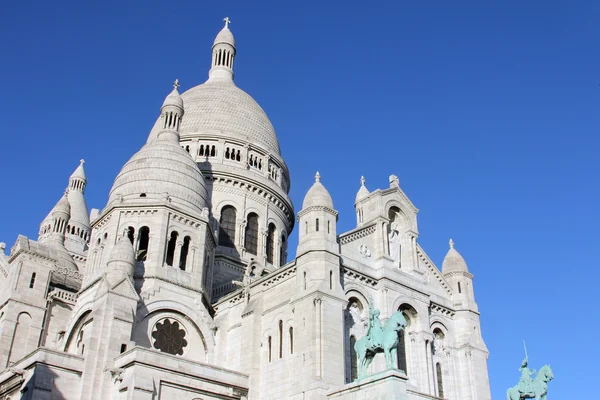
pixel 176 84
pixel 227 22
pixel 451 242
pixel 318 177
pixel 362 181
pixel 82 161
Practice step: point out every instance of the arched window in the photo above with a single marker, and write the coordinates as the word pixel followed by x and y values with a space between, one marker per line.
pixel 251 239
pixel 32 281
pixel 144 241
pixel 353 360
pixel 317 225
pixel 171 247
pixel 269 344
pixel 184 252
pixel 270 243
pixel 459 288
pixel 130 233
pixel 291 340
pixel 280 338
pixel 201 150
pixel 227 227
pixel 330 279
pixel 282 255
pixel 213 151
pixel 440 382
pixel 401 351
pixel 304 280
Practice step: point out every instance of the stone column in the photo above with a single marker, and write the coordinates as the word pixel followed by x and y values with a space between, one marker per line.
pixel 177 255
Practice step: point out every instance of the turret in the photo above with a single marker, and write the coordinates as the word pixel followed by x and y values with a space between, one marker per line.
pixel 223 54
pixel 121 263
pixel 171 113
pixel 78 229
pixel 54 226
pixel 317 221
pixel 456 273
pixel 362 193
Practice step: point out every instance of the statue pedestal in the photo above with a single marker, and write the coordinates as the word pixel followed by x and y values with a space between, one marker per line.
pixel 387 385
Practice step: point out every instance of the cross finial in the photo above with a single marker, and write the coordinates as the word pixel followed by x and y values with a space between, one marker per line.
pixel 176 84
pixel 451 243
pixel 227 22
pixel 318 177
pixel 82 161
pixel 362 181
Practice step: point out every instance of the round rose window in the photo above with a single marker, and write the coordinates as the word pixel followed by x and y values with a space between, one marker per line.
pixel 169 337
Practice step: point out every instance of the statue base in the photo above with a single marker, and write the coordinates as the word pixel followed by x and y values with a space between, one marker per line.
pixel 387 385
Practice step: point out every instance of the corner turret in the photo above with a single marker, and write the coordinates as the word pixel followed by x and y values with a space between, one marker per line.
pixel 223 53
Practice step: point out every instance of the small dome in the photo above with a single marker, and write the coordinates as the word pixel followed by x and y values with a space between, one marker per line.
pixel 317 195
pixel 161 170
pixel 174 99
pixel 454 262
pixel 122 252
pixel 225 36
pixel 363 191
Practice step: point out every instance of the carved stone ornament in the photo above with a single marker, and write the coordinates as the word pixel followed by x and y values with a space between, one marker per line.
pixel 169 337
pixel 364 251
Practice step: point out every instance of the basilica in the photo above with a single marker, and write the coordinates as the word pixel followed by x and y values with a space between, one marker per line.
pixel 181 286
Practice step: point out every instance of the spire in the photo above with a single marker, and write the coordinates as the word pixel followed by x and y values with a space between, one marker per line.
pixel 223 54
pixel 363 191
pixel 451 243
pixel 79 171
pixel 171 113
pixel 78 229
pixel 318 177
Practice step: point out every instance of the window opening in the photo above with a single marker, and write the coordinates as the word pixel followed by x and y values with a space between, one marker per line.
pixel 270 243
pixel 32 280
pixel 184 252
pixel 227 227
pixel 130 233
pixel 251 239
pixel 280 339
pixel 143 242
pixel 291 340
pixel 438 370
pixel 171 247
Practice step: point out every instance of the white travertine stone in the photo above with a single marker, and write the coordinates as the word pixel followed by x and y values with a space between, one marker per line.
pixel 140 301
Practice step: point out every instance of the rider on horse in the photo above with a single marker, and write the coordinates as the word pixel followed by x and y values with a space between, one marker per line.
pixel 375 329
pixel 526 379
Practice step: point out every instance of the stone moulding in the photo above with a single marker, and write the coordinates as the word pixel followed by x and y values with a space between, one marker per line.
pixel 433 269
pixel 362 232
pixel 357 276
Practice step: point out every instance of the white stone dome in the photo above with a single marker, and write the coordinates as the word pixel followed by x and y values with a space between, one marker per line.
pixel 225 36
pixel 317 196
pixel 161 169
pixel 218 107
pixel 454 262
pixel 173 99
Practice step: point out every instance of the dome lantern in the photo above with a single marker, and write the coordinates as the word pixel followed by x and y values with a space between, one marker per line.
pixel 223 53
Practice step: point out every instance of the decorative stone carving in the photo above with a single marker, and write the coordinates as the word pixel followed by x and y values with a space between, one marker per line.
pixel 364 251
pixel 394 241
pixel 169 337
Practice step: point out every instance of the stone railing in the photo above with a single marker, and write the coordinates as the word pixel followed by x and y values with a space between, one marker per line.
pixel 64 295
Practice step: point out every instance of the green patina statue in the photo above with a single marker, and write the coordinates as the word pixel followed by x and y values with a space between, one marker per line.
pixel 379 339
pixel 529 387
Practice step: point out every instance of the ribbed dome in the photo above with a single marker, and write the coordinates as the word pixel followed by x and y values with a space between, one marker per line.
pixel 161 167
pixel 317 195
pixel 79 172
pixel 453 261
pixel 62 206
pixel 219 107
pixel 225 36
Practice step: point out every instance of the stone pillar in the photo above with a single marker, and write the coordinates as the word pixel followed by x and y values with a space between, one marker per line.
pixel 177 254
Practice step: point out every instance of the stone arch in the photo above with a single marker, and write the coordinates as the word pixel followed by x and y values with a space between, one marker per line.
pixel 85 317
pixel 194 322
pixel 355 313
pixel 20 340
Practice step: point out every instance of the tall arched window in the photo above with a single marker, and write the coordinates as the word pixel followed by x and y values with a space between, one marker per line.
pixel 282 255
pixel 270 243
pixel 317 225
pixel 144 241
pixel 130 233
pixel 227 227
pixel 269 343
pixel 184 252
pixel 251 237
pixel 280 338
pixel 353 360
pixel 291 340
pixel 401 351
pixel 438 371
pixel 171 247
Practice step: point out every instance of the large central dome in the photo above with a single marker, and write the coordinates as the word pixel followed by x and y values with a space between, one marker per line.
pixel 218 107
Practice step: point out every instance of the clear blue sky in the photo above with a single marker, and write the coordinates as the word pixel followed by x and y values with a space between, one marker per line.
pixel 489 113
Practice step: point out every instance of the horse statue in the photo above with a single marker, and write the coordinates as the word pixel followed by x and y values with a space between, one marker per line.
pixel 379 340
pixel 536 389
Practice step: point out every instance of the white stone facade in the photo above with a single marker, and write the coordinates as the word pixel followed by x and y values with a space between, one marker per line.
pixel 179 287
